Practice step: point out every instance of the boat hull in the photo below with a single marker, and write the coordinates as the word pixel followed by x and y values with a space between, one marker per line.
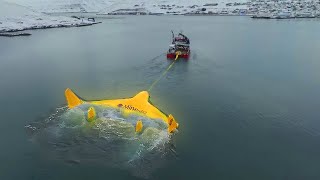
pixel 173 56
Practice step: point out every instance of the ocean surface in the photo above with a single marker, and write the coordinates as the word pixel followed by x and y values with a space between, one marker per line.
pixel 247 100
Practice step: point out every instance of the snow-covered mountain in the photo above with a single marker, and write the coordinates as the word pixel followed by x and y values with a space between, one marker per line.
pixel 64 5
pixel 15 17
pixel 107 6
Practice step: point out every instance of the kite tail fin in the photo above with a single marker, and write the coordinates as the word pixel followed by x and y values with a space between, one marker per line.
pixel 72 99
pixel 173 125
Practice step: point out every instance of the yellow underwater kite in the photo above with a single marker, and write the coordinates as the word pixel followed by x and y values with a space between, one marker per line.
pixel 139 104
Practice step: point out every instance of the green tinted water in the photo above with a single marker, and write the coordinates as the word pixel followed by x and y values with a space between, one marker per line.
pixel 247 100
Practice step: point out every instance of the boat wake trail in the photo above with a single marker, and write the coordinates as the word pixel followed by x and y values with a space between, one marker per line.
pixel 110 140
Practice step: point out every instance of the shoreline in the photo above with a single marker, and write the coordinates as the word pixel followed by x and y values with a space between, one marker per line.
pixel 10 32
pixel 14 35
pixel 7 32
pixel 222 15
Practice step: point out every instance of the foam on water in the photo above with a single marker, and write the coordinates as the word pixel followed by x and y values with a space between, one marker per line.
pixel 110 139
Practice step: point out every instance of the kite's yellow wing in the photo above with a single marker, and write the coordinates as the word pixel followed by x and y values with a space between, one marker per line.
pixel 138 104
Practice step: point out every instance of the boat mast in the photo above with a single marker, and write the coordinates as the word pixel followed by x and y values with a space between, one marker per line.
pixel 172 37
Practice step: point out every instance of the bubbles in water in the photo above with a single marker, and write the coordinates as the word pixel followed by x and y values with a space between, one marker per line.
pixel 109 140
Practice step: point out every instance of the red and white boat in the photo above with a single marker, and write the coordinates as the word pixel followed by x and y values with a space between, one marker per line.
pixel 180 46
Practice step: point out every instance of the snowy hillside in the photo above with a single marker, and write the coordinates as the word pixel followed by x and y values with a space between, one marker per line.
pixel 107 6
pixel 64 5
pixel 175 6
pixel 14 17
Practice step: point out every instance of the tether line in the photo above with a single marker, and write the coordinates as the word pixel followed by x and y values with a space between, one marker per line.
pixel 164 73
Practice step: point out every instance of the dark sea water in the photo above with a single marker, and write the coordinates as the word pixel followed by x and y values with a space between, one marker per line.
pixel 247 101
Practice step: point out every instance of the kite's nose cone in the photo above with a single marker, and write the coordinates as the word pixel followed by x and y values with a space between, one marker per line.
pixel 142 96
